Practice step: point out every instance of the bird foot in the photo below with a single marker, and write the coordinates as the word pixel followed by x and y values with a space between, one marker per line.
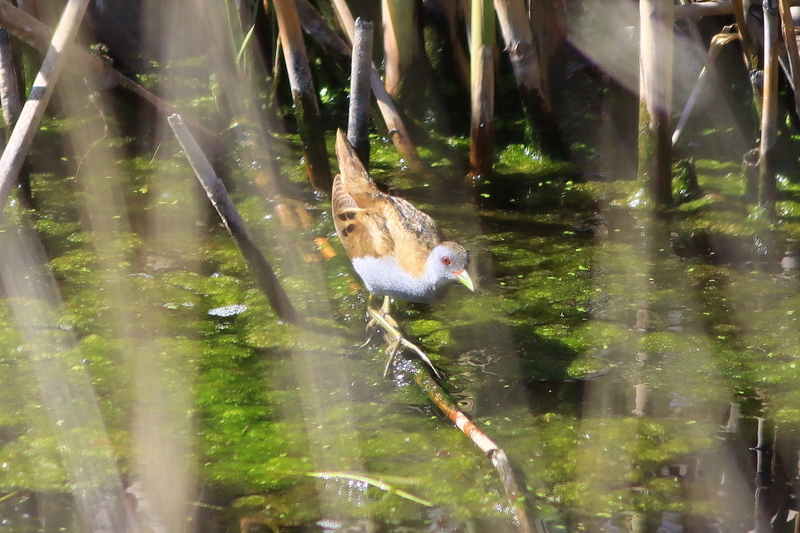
pixel 394 337
pixel 385 312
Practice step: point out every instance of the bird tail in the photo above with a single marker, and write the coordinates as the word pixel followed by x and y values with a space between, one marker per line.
pixel 350 166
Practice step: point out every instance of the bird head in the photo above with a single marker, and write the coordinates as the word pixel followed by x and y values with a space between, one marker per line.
pixel 449 261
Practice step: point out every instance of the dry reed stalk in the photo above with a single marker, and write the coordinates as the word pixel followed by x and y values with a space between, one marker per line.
pixel 460 60
pixel 309 119
pixel 481 32
pixel 481 149
pixel 548 23
pixel 38 35
pixel 717 42
pixel 522 49
pixel 10 99
pixel 767 190
pixel 32 112
pixel 482 41
pixel 709 8
pixel 318 28
pixel 398 41
pixel 655 93
pixel 748 50
pixel 524 55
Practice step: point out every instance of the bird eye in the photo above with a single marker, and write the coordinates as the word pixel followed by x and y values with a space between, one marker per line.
pixel 446 260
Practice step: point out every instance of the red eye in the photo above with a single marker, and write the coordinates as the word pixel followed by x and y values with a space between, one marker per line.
pixel 446 260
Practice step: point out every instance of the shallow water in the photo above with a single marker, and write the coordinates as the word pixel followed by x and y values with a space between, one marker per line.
pixel 622 362
pixel 636 369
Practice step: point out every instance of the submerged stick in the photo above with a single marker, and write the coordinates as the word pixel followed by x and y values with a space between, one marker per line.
pixel 495 454
pixel 358 117
pixel 32 112
pixel 394 339
pixel 218 194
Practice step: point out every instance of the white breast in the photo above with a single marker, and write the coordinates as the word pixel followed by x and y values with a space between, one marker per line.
pixel 383 277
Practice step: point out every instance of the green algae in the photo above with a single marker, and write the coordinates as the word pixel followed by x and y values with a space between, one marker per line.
pixel 565 299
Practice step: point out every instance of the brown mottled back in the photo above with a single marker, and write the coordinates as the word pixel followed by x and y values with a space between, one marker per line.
pixel 372 223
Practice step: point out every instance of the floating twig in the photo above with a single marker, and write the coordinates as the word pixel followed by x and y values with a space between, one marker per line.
pixel 369 480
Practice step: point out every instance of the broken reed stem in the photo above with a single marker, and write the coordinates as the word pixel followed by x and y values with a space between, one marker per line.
pixel 32 112
pixel 496 455
pixel 397 130
pixel 717 42
pixel 360 92
pixel 222 202
pixel 307 113
pixel 481 149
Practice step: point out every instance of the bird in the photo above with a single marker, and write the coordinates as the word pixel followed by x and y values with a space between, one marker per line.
pixel 397 250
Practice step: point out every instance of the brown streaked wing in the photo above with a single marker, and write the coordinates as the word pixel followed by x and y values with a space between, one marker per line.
pixel 361 228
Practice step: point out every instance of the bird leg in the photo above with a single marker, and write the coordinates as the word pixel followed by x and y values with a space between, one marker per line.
pixel 372 325
pixel 393 336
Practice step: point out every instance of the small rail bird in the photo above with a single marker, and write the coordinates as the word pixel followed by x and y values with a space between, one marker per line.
pixel 396 249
